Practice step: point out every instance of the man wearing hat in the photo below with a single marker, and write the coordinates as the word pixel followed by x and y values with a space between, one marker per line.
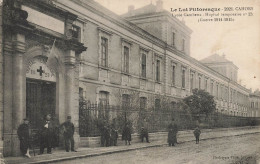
pixel 46 135
pixel 68 131
pixel 23 134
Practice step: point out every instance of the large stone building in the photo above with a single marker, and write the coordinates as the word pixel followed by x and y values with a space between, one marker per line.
pixel 254 104
pixel 46 65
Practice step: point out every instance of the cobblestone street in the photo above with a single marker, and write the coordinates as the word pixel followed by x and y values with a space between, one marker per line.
pixel 222 150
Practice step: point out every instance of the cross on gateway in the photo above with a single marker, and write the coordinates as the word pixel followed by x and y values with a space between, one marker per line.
pixel 41 71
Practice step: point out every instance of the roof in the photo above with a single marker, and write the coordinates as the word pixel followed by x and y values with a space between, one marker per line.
pixel 215 58
pixel 152 10
pixel 140 11
pixel 256 93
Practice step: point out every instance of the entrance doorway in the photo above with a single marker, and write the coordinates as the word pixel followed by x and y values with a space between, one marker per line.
pixel 40 101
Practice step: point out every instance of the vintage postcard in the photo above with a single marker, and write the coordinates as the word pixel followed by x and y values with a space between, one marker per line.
pixel 141 81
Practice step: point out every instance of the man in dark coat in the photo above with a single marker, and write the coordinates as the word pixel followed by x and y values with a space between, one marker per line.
pixel 114 136
pixel 172 133
pixel 175 131
pixel 68 131
pixel 46 134
pixel 23 134
pixel 196 133
pixel 126 134
pixel 144 132
pixel 56 132
pixel 107 135
pixel 101 126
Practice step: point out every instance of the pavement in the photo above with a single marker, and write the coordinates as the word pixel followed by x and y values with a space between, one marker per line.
pixel 84 152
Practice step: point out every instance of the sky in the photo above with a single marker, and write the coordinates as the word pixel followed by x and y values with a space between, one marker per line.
pixel 239 40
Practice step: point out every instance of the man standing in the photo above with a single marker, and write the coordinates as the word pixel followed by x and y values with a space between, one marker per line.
pixel 114 136
pixel 23 134
pixel 172 133
pixel 107 135
pixel 46 135
pixel 68 131
pixel 144 132
pixel 196 133
pixel 175 131
pixel 126 134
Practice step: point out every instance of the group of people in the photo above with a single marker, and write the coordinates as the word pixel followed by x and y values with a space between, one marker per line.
pixel 47 137
pixel 109 135
pixel 173 130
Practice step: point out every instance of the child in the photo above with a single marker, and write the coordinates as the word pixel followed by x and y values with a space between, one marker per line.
pixel 196 133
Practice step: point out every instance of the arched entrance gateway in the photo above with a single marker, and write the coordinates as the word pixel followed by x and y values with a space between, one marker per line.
pixel 37 79
pixel 40 90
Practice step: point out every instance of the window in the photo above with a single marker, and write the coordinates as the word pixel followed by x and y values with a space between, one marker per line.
pixel 217 91
pixel 75 31
pixel 143 74
pixel 226 94
pixel 157 104
pixel 222 92
pixel 252 104
pixel 143 101
pixel 183 78
pixel 125 101
pixel 103 98
pixel 173 38
pixel 80 93
pixel 206 85
pixel 211 88
pixel 191 80
pixel 104 51
pixel 183 44
pixel 231 95
pixel 126 60
pixel 173 74
pixel 199 82
pixel 157 78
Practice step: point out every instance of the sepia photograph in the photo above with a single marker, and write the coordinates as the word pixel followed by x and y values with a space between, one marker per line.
pixel 130 82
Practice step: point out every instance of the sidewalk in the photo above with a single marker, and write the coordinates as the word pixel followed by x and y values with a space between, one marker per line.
pixel 83 152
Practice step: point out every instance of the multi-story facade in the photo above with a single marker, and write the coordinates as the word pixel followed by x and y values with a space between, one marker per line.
pixel 254 104
pixel 99 55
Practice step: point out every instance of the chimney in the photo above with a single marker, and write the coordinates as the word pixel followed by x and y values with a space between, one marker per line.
pixel 131 8
pixel 159 5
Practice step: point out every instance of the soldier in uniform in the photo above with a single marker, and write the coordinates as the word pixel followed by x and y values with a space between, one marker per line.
pixel 24 137
pixel 46 134
pixel 68 131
